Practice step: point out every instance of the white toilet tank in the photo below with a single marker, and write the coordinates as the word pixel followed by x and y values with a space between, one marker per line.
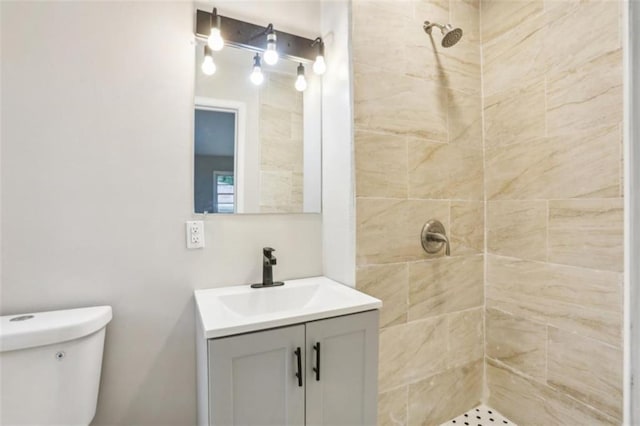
pixel 50 366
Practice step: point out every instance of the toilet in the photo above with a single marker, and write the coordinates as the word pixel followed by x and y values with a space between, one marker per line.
pixel 50 366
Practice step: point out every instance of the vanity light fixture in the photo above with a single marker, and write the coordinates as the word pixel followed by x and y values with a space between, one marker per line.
pixel 271 54
pixel 256 76
pixel 319 66
pixel 211 27
pixel 301 82
pixel 208 66
pixel 215 40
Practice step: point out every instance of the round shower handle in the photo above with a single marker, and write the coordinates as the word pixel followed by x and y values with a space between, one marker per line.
pixel 434 236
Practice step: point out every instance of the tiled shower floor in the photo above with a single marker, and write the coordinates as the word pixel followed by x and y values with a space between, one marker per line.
pixel 480 416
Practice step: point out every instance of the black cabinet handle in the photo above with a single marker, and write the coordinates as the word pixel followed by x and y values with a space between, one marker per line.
pixel 298 353
pixel 316 348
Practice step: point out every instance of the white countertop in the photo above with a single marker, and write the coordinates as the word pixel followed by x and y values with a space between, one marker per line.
pixel 232 310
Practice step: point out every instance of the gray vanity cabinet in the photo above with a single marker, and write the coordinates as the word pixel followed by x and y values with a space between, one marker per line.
pixel 344 390
pixel 254 378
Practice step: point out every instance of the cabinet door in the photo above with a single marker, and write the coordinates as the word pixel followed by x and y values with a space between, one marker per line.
pixel 252 378
pixel 344 391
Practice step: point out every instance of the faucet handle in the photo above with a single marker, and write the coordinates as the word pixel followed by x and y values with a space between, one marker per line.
pixel 267 251
pixel 433 237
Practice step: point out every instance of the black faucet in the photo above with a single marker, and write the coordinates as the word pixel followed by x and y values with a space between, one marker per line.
pixel 268 260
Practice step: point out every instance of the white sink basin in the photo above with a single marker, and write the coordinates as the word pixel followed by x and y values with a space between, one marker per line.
pixel 232 310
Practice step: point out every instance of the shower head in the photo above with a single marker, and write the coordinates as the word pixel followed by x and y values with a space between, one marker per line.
pixel 450 35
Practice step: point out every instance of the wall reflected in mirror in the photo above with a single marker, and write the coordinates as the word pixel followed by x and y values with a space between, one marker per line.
pixel 257 148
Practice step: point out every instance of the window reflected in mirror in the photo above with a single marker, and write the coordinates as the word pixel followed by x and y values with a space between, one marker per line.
pixel 215 142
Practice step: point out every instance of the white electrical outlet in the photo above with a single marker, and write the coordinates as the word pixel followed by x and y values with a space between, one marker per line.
pixel 195 234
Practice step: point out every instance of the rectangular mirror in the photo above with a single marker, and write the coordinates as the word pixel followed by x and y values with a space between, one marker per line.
pixel 257 148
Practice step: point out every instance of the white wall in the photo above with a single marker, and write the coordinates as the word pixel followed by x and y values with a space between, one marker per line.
pixel 96 185
pixel 338 200
pixel 293 16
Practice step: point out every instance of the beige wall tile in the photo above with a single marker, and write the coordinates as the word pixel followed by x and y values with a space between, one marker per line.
pixel 515 116
pixel 275 188
pixel 389 283
pixel 467 227
pixel 297 124
pixel 602 325
pixel 466 337
pixel 297 189
pixel 593 26
pixel 556 142
pixel 392 103
pixel 425 342
pixel 584 165
pixel 381 165
pixel 517 342
pixel 456 68
pixel 564 410
pixel 517 229
pixel 527 402
pixel 277 92
pixel 601 214
pixel 380 231
pixel 585 301
pixel 392 407
pixel 500 16
pixel 575 98
pixel 388 230
pixel 466 15
pixel 515 397
pixel 367 44
pixel 275 123
pixel 412 351
pixel 587 370
pixel 514 58
pixel 443 396
pixel 393 357
pixel 445 285
pixel 465 119
pixel 431 10
pixel 281 154
pixel 444 171
pixel 595 236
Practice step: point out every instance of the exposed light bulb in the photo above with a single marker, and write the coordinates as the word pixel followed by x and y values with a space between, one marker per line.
pixel 271 54
pixel 301 82
pixel 319 66
pixel 215 41
pixel 256 76
pixel 208 66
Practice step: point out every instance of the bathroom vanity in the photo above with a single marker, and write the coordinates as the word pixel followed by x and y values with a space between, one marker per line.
pixel 302 353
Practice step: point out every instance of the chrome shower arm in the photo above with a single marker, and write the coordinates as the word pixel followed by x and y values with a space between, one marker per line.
pixel 427 26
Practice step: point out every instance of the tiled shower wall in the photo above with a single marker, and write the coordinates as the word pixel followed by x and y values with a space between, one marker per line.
pixel 549 169
pixel 553 107
pixel 419 156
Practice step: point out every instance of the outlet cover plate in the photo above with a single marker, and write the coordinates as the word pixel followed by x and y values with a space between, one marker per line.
pixel 195 234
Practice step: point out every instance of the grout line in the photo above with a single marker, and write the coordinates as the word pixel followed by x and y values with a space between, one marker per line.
pixel 486 392
pixel 564 265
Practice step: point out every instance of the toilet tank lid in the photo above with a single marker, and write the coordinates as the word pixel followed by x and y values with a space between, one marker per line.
pixel 44 328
